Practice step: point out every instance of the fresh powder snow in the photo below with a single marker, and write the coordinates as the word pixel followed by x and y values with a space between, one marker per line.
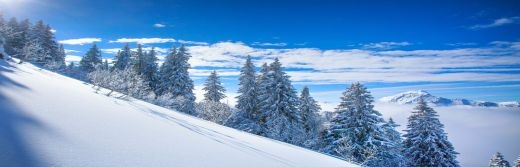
pixel 47 119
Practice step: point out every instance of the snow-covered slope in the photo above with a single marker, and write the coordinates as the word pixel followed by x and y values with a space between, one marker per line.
pixel 412 97
pixel 50 120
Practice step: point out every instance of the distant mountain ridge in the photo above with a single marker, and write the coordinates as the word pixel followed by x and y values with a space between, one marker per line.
pixel 412 97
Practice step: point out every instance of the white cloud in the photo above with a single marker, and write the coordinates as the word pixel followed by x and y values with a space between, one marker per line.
pixel 159 25
pixel 68 51
pixel 192 42
pixel 268 44
pixel 80 41
pixel 459 44
pixel 54 31
pixel 497 23
pixel 385 45
pixel 143 40
pixel 315 66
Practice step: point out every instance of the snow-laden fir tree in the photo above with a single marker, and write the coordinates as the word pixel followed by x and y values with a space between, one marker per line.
pixel 214 89
pixel 517 162
pixel 123 58
pixel 498 161
pixel 149 69
pixel 246 117
pixel 91 59
pixel 390 153
pixel 309 110
pixel 247 97
pixel 175 80
pixel 426 143
pixel 137 60
pixel 279 107
pixel 355 133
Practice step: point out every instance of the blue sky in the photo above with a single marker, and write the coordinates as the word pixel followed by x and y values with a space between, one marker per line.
pixel 454 49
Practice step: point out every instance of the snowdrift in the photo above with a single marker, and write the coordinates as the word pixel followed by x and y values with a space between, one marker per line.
pixel 47 119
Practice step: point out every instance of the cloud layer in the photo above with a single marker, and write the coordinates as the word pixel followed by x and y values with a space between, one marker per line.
pixel 80 41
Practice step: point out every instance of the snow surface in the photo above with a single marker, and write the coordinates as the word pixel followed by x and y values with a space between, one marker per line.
pixel 47 119
pixel 476 132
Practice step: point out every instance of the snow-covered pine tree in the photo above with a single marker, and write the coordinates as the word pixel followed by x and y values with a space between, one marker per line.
pixel 214 89
pixel 263 84
pixel 390 153
pixel 149 70
pixel 123 58
pixel 517 162
pixel 91 59
pixel 498 161
pixel 426 143
pixel 247 99
pixel 137 60
pixel 310 109
pixel 174 79
pixel 355 133
pixel 279 107
pixel 246 117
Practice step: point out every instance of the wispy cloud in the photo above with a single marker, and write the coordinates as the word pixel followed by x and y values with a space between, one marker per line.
pixel 317 66
pixel 143 40
pixel 192 42
pixel 54 31
pixel 269 44
pixel 464 44
pixel 80 41
pixel 385 45
pixel 69 51
pixel 159 25
pixel 497 23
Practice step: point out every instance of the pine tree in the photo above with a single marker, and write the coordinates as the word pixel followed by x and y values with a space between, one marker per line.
pixel 390 152
pixel 498 161
pixel 279 107
pixel 355 131
pixel 174 79
pixel 517 162
pixel 149 69
pixel 137 60
pixel 310 109
pixel 246 117
pixel 123 58
pixel 247 99
pixel 91 59
pixel 214 89
pixel 426 143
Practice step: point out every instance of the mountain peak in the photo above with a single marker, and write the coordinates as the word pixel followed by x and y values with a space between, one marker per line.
pixel 412 97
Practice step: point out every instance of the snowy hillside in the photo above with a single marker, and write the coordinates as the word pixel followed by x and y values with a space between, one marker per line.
pixel 50 120
pixel 412 97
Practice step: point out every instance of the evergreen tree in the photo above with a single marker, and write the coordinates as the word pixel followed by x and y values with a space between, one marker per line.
pixel 355 131
pixel 426 143
pixel 517 162
pixel 149 71
pixel 137 60
pixel 247 116
pixel 123 58
pixel 247 98
pixel 390 152
pixel 175 80
pixel 310 109
pixel 214 89
pixel 91 59
pixel 279 107
pixel 213 111
pixel 498 161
